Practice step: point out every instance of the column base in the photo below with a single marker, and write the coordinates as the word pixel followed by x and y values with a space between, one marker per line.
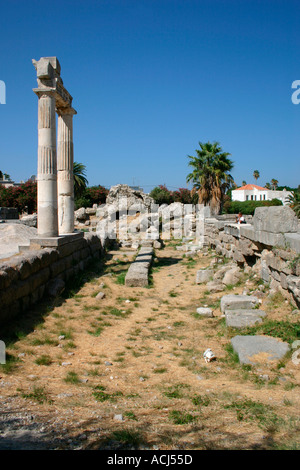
pixel 38 243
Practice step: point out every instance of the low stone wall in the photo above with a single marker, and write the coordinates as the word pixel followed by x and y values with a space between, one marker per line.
pixel 26 278
pixel 137 274
pixel 8 213
pixel 270 246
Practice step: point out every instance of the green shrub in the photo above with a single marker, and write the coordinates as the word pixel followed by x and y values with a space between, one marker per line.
pixel 247 207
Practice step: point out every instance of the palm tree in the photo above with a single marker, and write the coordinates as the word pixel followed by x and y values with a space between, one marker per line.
pixel 244 183
pixel 267 186
pixel 80 180
pixel 294 202
pixel 274 184
pixel 256 175
pixel 210 175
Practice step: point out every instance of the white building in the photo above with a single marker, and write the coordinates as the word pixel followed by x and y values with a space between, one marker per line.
pixel 252 192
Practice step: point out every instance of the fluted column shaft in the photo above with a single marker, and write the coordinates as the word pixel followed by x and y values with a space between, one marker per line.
pixel 65 179
pixel 47 167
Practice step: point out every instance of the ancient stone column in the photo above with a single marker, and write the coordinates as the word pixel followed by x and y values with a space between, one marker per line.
pixel 47 168
pixel 65 181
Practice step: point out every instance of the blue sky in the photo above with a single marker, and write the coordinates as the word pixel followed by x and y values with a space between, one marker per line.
pixel 152 78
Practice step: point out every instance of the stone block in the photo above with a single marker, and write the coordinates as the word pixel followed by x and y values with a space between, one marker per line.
pixel 270 238
pixel 204 275
pixel 234 302
pixel 247 231
pixel 293 241
pixel 242 318
pixel 259 349
pixel 275 219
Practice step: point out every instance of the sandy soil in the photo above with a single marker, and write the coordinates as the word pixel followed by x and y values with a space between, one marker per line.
pixel 127 371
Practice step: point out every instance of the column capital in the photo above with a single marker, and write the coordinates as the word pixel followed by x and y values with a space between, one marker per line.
pixel 66 111
pixel 44 91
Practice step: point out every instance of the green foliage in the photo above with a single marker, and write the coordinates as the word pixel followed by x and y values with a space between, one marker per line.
pixel 247 207
pixel 162 195
pixel 80 180
pixel 294 202
pixel 249 410
pixel 181 417
pixel 284 330
pixel 210 176
pixel 89 196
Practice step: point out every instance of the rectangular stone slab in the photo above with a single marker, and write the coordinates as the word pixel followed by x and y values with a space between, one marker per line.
pixel 234 302
pixel 137 274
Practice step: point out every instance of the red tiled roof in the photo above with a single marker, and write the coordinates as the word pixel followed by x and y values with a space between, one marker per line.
pixel 251 186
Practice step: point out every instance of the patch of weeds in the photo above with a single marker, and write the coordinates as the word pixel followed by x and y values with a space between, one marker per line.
pixel 118 313
pixel 176 391
pixel 88 308
pixel 100 395
pixel 160 370
pixel 232 357
pixel 276 300
pixel 181 417
pixel 10 364
pixel 45 340
pixel 121 278
pixel 69 345
pixel 38 394
pixel 93 373
pixel 96 332
pixel 130 415
pixel 200 400
pixel 249 410
pixel 72 378
pixel 290 386
pixel 127 437
pixel 178 323
pixel 229 287
pixel 285 330
pixel 66 333
pixel 172 294
pixel 43 360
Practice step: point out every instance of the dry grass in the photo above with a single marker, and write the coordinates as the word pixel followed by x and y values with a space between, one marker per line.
pixel 144 359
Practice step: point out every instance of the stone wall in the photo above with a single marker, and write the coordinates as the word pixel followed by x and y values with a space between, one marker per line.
pixel 270 245
pixel 28 277
pixel 8 213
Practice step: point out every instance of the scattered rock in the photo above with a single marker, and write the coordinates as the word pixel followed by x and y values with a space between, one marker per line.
pixel 100 295
pixel 204 275
pixel 205 312
pixel 232 277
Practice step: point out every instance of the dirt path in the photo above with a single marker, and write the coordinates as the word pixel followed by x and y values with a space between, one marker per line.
pixel 127 371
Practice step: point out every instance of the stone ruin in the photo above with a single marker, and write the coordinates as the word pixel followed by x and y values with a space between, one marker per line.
pixel 55 159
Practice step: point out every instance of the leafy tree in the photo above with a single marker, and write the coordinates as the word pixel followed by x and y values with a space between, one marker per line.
pixel 244 183
pixel 162 195
pixel 90 196
pixel 256 175
pixel 210 175
pixel 80 180
pixel 23 197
